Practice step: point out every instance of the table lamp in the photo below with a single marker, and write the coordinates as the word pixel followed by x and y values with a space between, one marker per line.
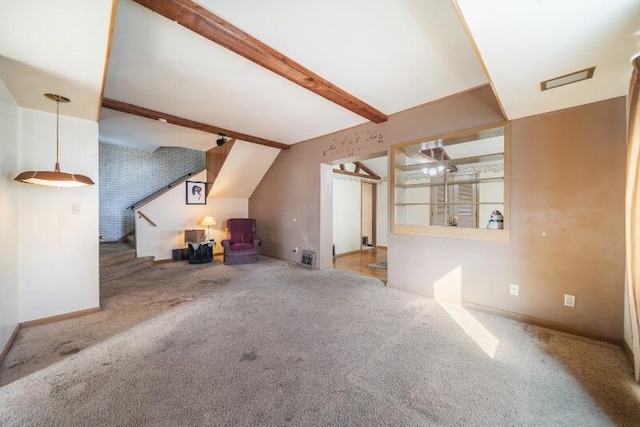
pixel 208 221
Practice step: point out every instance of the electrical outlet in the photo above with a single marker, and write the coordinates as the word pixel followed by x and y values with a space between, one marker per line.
pixel 76 208
pixel 295 250
pixel 569 300
pixel 514 289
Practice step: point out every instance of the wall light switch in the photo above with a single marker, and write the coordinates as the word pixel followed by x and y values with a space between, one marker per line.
pixel 76 208
pixel 514 290
pixel 569 300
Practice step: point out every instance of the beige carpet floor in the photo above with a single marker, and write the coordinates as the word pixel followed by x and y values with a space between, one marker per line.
pixel 276 344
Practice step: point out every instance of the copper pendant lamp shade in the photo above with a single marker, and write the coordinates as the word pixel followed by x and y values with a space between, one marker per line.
pixel 55 178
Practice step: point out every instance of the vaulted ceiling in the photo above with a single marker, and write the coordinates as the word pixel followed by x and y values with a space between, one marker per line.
pixel 389 54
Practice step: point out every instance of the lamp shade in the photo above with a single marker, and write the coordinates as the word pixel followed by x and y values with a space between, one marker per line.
pixel 55 178
pixel 208 221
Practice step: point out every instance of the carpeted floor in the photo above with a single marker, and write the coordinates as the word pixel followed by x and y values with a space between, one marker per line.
pixel 275 344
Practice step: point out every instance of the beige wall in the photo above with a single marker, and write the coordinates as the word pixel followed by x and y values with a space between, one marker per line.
pixel 287 203
pixel 567 227
pixel 567 182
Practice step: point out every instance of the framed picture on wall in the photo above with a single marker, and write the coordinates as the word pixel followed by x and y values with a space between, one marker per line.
pixel 196 193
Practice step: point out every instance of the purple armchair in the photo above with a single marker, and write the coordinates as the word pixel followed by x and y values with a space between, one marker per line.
pixel 241 246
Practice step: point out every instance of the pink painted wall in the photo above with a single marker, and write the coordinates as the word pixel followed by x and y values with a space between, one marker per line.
pixel 567 181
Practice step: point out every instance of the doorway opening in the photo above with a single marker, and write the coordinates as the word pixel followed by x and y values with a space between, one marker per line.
pixel 360 216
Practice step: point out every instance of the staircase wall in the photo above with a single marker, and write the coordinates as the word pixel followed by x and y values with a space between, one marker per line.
pixel 172 216
pixel 128 175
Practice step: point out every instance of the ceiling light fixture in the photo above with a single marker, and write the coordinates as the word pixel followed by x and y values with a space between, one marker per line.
pixel 55 178
pixel 222 140
pixel 574 77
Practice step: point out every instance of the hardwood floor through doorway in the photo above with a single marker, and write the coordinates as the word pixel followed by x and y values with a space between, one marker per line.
pixel 359 263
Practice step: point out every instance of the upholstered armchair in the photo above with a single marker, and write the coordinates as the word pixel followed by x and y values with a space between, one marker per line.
pixel 241 246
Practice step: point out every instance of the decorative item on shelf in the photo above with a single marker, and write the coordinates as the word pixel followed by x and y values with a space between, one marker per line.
pixel 453 221
pixel 208 221
pixel 496 221
pixel 196 193
pixel 55 178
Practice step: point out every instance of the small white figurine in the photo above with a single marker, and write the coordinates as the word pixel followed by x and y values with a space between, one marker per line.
pixel 496 222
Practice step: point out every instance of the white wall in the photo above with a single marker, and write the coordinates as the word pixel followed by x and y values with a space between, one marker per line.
pixel 383 213
pixel 58 251
pixel 367 210
pixel 9 315
pixel 490 192
pixel 346 213
pixel 172 216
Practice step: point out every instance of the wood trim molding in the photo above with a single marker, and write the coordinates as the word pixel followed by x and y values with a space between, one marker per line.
pixel 203 22
pixel 357 251
pixel 59 317
pixel 9 343
pixel 142 215
pixel 215 160
pixel 136 110
pixel 360 166
pixel 112 24
pixel 549 324
pixel 357 175
pixel 374 208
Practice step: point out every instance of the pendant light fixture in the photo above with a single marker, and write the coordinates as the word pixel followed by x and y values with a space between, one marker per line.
pixel 55 178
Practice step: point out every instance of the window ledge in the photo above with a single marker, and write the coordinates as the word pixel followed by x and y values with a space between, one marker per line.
pixel 454 232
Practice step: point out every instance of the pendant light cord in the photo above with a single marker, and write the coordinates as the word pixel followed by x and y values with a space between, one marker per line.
pixel 57 136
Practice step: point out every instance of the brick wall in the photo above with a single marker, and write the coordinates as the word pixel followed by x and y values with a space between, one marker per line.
pixel 128 175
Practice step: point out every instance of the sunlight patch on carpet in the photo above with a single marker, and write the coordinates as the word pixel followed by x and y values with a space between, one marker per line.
pixel 448 294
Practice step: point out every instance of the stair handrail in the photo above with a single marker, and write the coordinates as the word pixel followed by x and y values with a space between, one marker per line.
pixel 142 215
pixel 162 190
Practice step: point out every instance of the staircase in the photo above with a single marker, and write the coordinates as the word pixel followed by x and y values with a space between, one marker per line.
pixel 118 260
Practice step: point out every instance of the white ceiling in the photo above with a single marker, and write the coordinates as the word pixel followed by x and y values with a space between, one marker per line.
pixel 159 64
pixel 55 47
pixel 392 54
pixel 526 42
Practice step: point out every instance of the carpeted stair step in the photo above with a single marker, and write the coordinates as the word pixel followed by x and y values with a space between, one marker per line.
pixel 116 257
pixel 124 268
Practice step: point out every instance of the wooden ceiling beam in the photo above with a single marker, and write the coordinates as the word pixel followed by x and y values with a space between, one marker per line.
pixel 201 21
pixel 358 175
pixel 123 107
pixel 360 166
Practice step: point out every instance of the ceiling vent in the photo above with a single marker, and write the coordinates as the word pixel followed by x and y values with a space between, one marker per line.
pixel 568 78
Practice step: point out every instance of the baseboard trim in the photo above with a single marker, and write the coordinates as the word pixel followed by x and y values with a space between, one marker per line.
pixel 549 324
pixel 59 317
pixel 629 353
pixel 357 251
pixel 162 261
pixel 9 343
